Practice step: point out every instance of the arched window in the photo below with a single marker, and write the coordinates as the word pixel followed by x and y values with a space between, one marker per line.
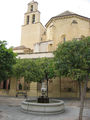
pixel 20 86
pixel 4 84
pixel 31 8
pixel 50 47
pixel 63 38
pixel 28 19
pixel 33 18
pixel 74 22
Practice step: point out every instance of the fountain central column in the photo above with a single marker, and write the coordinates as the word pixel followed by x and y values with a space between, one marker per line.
pixel 43 98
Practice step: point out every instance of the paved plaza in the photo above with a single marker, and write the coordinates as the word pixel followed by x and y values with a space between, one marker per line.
pixel 10 110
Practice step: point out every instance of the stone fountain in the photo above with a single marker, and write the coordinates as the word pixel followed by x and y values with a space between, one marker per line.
pixel 43 105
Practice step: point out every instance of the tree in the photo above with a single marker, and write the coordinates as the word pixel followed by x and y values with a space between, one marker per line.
pixel 28 69
pixel 35 70
pixel 48 69
pixel 72 59
pixel 7 59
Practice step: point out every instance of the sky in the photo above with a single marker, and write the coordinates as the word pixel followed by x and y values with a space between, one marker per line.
pixel 12 15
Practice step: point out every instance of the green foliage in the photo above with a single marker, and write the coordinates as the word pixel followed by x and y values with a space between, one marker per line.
pixel 7 59
pixel 34 69
pixel 28 69
pixel 72 59
pixel 47 66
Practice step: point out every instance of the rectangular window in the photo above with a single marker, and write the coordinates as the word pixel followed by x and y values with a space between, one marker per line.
pixel 27 19
pixel 33 19
pixel 31 8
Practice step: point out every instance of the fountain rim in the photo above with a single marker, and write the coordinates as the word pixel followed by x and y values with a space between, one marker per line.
pixel 57 102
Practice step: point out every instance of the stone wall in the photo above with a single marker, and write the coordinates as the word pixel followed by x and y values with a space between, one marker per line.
pixel 57 88
pixel 65 26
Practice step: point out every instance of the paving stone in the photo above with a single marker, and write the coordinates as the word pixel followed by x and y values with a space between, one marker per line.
pixel 10 110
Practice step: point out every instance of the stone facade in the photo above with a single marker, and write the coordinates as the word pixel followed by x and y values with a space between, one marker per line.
pixel 32 30
pixel 39 41
pixel 63 27
pixel 67 26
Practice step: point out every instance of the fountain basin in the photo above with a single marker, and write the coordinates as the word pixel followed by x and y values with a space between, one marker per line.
pixel 53 107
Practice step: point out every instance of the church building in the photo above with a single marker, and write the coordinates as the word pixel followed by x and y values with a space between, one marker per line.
pixel 39 41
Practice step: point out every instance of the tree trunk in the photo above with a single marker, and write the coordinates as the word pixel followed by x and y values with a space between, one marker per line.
pixel 83 94
pixel 46 76
pixel 79 84
pixel 47 87
pixel 26 91
pixel 60 85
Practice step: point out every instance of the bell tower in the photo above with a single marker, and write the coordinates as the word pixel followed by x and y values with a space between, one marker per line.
pixel 32 15
pixel 32 29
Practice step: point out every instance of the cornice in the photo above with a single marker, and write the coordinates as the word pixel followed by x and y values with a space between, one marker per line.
pixel 66 17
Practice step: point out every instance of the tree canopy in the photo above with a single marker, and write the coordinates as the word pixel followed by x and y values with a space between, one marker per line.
pixel 47 66
pixel 72 58
pixel 7 59
pixel 34 69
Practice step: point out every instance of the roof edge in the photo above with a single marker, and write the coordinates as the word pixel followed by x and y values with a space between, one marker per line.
pixel 66 16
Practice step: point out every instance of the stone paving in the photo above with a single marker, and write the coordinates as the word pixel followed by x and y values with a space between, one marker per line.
pixel 10 110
